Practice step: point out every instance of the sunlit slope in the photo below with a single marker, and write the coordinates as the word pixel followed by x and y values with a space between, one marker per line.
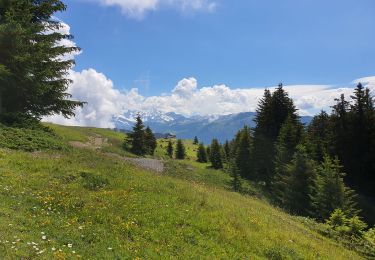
pixel 84 203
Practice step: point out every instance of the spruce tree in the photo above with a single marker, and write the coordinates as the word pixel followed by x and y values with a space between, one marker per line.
pixel 319 136
pixel 227 150
pixel 273 109
pixel 149 141
pixel 290 136
pixel 208 151
pixel 196 141
pixel 137 137
pixel 180 150
pixel 170 149
pixel 243 154
pixel 330 191
pixel 299 182
pixel 215 157
pixel 33 74
pixel 235 174
pixel 201 154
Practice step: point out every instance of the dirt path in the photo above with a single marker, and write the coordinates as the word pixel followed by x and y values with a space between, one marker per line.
pixel 145 163
pixel 94 142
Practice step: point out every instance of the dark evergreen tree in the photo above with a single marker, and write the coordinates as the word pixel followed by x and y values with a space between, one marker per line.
pixel 273 109
pixel 215 157
pixel 201 154
pixel 299 180
pixel 227 150
pixel 180 150
pixel 33 74
pixel 235 174
pixel 170 149
pixel 290 136
pixel 319 136
pixel 330 191
pixel 196 141
pixel 137 138
pixel 150 141
pixel 243 154
pixel 208 151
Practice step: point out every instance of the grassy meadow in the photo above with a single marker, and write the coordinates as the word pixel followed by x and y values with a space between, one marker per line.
pixel 64 202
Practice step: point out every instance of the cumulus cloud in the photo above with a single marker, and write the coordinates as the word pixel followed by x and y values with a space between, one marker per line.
pixel 138 8
pixel 105 101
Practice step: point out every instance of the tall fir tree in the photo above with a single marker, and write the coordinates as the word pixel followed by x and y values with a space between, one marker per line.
pixel 33 78
pixel 216 155
pixel 319 136
pixel 243 156
pixel 180 150
pixel 330 191
pixel 290 136
pixel 170 149
pixel 149 141
pixel 273 109
pixel 227 150
pixel 299 180
pixel 137 137
pixel 196 141
pixel 235 174
pixel 201 154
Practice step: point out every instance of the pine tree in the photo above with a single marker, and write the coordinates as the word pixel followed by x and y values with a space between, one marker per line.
pixel 33 78
pixel 201 154
pixel 180 150
pixel 137 137
pixel 243 154
pixel 319 136
pixel 215 157
pixel 196 141
pixel 170 149
pixel 299 183
pixel 331 192
pixel 273 109
pixel 208 151
pixel 235 174
pixel 149 141
pixel 227 150
pixel 290 136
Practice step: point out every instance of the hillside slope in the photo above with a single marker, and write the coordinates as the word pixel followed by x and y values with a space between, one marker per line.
pixel 85 203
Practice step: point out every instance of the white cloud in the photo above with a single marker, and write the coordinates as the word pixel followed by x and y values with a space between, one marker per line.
pixel 105 101
pixel 138 8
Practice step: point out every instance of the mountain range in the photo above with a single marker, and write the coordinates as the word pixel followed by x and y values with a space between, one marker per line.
pixel 222 127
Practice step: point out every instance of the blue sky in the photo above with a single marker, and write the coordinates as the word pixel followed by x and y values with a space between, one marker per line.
pixel 215 57
pixel 240 43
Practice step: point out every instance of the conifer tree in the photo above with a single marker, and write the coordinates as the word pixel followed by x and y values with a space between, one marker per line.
pixel 208 151
pixel 137 137
pixel 215 157
pixel 150 141
pixel 201 154
pixel 170 149
pixel 33 78
pixel 196 141
pixel 299 181
pixel 290 136
pixel 319 136
pixel 180 150
pixel 330 191
pixel 235 174
pixel 227 150
pixel 243 154
pixel 273 109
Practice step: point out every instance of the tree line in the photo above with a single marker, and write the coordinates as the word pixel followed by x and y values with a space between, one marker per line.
pixel 308 170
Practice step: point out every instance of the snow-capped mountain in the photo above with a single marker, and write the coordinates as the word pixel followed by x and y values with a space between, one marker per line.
pixel 222 127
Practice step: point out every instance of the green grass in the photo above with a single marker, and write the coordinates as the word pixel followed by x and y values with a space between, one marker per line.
pixel 81 203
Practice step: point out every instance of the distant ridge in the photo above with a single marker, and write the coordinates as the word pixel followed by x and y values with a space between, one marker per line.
pixel 222 127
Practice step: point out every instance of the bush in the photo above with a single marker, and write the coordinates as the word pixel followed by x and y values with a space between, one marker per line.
pixel 29 139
